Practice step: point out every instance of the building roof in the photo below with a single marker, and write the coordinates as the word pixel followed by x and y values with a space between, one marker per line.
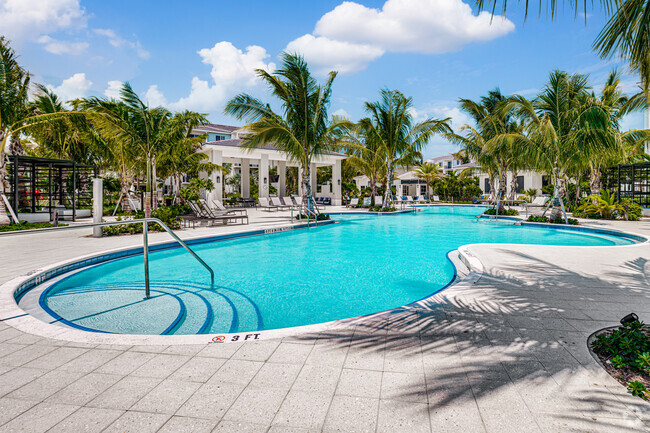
pixel 441 158
pixel 237 142
pixel 214 127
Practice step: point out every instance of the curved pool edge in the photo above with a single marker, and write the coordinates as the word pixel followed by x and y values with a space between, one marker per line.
pixel 16 317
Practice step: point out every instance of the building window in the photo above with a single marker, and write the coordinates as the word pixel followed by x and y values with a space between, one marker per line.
pixel 520 184
pixel 487 185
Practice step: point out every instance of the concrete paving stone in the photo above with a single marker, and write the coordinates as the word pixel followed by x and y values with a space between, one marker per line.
pixel 161 366
pixel 303 409
pixel 257 350
pixel 223 350
pixel 9 333
pixel 120 347
pixel 227 426
pixel 359 383
pixel 404 387
pixel 82 345
pixel 46 385
pixel 403 416
pixel 458 417
pixel 509 420
pixel 124 393
pixel 279 376
pixel 480 372
pixel 125 363
pixel 91 360
pixel 349 414
pixel 85 389
pixel 184 349
pixel 211 400
pixel 546 397
pixel 27 339
pixel 198 369
pixel 329 355
pixel 138 422
pixel 148 348
pixel 18 377
pixel 447 392
pixel 167 397
pixel 365 358
pixel 257 405
pixel 56 358
pixel 288 429
pixel 9 348
pixel 26 354
pixel 237 371
pixel 183 424
pixel 87 419
pixel 10 408
pixel 497 395
pixel 317 379
pixel 39 418
pixel 291 353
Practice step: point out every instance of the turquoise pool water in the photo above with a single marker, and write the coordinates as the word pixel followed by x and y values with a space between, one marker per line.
pixel 363 265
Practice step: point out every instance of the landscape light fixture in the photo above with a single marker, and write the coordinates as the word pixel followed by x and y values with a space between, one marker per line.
pixel 629 319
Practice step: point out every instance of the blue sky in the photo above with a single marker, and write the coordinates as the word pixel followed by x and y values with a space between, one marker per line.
pixel 198 54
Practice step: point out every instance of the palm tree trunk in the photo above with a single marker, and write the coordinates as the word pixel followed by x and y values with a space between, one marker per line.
pixel 389 182
pixel 513 185
pixel 595 183
pixel 306 187
pixel 373 189
pixel 503 187
pixel 126 208
pixel 4 184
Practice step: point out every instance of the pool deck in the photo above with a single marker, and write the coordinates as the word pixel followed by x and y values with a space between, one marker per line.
pixel 505 354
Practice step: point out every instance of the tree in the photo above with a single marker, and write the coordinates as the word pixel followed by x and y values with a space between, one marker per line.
pixel 366 155
pixel 14 85
pixel 303 130
pixel 429 172
pixel 392 125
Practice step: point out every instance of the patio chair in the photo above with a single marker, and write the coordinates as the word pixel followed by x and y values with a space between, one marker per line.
pixel 409 199
pixel 379 200
pixel 275 201
pixel 354 202
pixel 421 199
pixel 265 205
pixel 435 199
pixel 539 203
pixel 222 208
pixel 288 201
pixel 366 201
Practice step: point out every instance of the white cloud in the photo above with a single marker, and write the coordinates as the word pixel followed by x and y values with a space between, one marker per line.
pixel 118 42
pixel 341 112
pixel 154 97
pixel 458 118
pixel 24 20
pixel 113 89
pixel 77 86
pixel 423 26
pixel 352 35
pixel 324 54
pixel 55 46
pixel 233 70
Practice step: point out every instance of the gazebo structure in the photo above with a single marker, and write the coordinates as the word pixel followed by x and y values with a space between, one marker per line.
pixel 40 186
pixel 230 150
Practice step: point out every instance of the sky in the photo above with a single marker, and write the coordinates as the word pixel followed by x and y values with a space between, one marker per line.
pixel 197 54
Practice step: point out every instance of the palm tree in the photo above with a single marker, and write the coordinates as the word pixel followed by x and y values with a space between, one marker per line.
pixel 366 155
pixel 130 122
pixel 303 130
pixel 392 125
pixel 14 85
pixel 429 173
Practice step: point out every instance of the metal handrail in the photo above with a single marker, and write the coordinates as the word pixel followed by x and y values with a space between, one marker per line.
pixel 145 240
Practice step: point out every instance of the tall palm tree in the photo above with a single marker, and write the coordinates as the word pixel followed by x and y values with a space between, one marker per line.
pixel 429 173
pixel 366 155
pixel 14 85
pixel 302 131
pixel 392 125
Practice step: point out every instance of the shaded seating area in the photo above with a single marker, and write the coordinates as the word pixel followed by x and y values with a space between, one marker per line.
pixel 201 212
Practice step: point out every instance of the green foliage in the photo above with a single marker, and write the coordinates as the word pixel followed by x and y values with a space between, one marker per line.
pixel 321 217
pixel 638 389
pixel 632 209
pixel 381 209
pixel 605 206
pixel 193 190
pixel 627 346
pixel 544 219
pixel 167 214
pixel 530 194
pixel 457 188
pixel 24 225
pixel 493 211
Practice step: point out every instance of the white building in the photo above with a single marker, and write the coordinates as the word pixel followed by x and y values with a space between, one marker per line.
pixel 224 145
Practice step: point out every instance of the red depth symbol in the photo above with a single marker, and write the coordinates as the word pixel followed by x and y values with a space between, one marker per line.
pixel 219 338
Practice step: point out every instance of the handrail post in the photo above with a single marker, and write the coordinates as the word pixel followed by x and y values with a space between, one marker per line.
pixel 145 246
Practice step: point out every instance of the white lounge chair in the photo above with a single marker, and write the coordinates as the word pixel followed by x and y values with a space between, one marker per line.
pixel 366 201
pixel 409 199
pixel 220 206
pixel 421 199
pixel 354 202
pixel 379 200
pixel 265 205
pixel 275 201
pixel 288 201
pixel 435 199
pixel 539 203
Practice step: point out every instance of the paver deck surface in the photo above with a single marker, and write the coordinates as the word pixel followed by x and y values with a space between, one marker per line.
pixel 507 354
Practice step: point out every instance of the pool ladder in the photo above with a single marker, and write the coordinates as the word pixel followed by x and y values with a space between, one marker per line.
pixel 145 242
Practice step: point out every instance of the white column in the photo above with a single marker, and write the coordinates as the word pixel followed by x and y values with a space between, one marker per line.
pixel 282 181
pixel 336 183
pixel 313 180
pixel 216 157
pixel 98 205
pixel 245 178
pixel 263 172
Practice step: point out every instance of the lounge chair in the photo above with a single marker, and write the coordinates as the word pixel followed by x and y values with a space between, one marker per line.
pixel 206 214
pixel 299 203
pixel 275 201
pixel 435 199
pixel 409 199
pixel 221 208
pixel 366 201
pixel 421 199
pixel 539 203
pixel 265 205
pixel 354 202
pixel 379 200
pixel 288 201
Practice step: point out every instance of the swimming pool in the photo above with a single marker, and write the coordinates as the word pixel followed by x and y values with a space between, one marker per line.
pixel 362 265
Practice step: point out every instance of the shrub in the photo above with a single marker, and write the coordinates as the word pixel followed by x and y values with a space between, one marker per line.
pixel 24 225
pixel 167 214
pixel 321 217
pixel 633 210
pixel 493 211
pixel 544 219
pixel 381 209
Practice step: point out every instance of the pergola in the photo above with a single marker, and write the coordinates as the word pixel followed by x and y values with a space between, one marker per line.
pixel 231 151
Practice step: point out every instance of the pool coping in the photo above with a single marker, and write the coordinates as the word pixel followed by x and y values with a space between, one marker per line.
pixel 16 317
